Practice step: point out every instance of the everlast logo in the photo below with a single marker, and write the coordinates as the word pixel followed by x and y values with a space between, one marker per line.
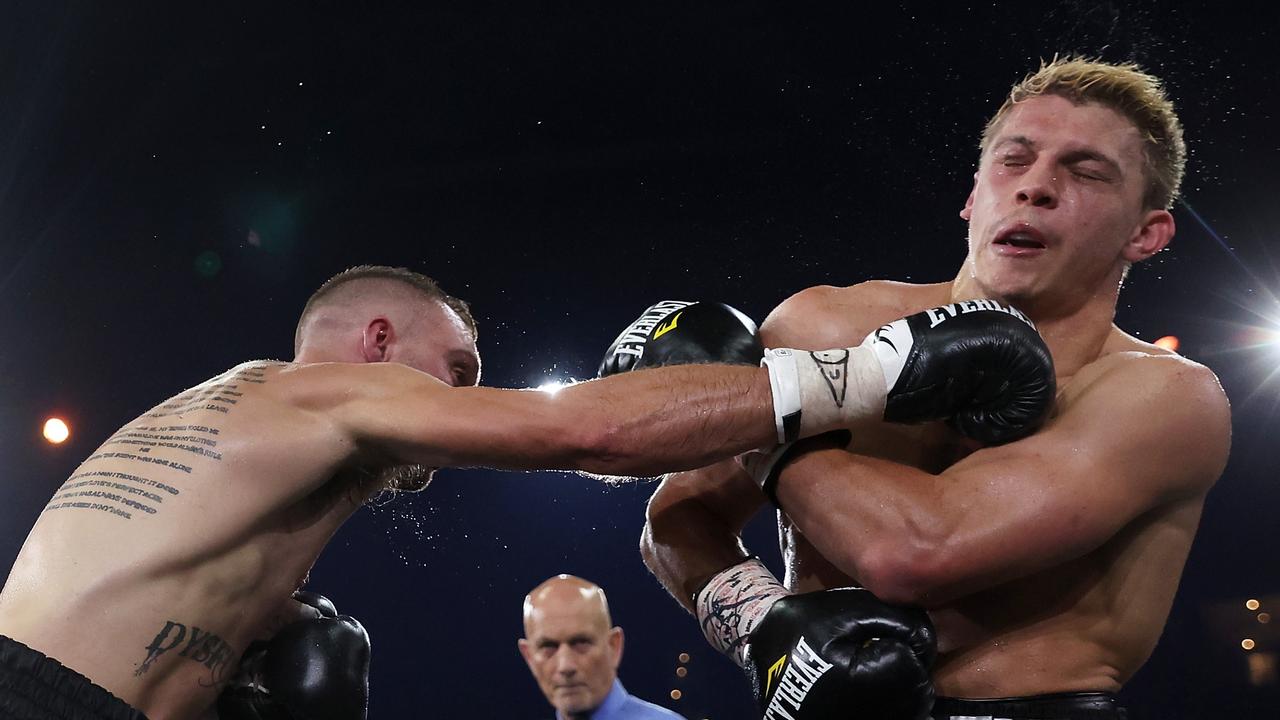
pixel 200 646
pixel 805 668
pixel 668 326
pixel 939 315
pixel 631 341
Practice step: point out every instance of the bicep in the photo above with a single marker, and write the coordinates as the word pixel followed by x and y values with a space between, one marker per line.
pixel 393 414
pixel 1123 448
pixel 1127 446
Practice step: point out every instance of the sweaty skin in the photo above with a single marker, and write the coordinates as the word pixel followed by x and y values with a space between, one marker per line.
pixel 1048 564
pixel 181 539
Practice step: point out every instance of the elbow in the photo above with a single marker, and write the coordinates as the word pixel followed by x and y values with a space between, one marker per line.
pixel 905 572
pixel 660 532
pixel 649 547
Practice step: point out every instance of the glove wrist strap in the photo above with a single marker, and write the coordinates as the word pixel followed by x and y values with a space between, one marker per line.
pixel 817 391
pixel 733 603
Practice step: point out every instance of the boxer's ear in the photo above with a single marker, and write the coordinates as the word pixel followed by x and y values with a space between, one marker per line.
pixel 378 335
pixel 1151 236
pixel 966 212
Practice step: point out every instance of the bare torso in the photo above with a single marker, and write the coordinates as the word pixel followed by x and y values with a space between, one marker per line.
pixel 1084 625
pixel 180 540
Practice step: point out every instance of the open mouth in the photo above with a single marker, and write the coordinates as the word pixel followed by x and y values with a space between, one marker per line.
pixel 1025 238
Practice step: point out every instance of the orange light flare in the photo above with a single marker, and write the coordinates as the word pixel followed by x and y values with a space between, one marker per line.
pixel 1168 342
pixel 1258 337
pixel 56 431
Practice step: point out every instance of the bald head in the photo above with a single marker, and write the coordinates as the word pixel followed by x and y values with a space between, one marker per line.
pixel 566 593
pixel 570 645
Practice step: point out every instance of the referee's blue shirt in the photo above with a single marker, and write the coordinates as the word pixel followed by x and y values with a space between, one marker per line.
pixel 619 705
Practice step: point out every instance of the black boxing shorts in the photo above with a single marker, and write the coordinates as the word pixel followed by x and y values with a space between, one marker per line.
pixel 1060 706
pixel 36 687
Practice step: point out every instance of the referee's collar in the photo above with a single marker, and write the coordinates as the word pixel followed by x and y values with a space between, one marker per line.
pixel 613 702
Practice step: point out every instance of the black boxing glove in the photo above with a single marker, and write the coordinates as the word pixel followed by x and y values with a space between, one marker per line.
pixel 311 670
pixel 834 654
pixel 675 332
pixel 842 653
pixel 979 364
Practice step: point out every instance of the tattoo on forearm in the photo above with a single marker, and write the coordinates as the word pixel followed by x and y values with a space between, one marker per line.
pixel 196 645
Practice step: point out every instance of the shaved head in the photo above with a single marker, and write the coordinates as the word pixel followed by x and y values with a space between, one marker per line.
pixel 564 591
pixel 374 313
pixel 570 644
pixel 354 292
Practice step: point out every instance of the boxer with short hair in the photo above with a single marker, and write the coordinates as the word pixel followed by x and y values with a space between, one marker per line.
pixel 981 366
pixel 1048 564
pixel 149 579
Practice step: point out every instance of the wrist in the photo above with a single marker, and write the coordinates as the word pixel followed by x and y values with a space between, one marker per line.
pixel 818 391
pixel 765 466
pixel 733 602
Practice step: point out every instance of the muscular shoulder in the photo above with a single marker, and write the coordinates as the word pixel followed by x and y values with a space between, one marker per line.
pixel 1176 404
pixel 321 386
pixel 825 316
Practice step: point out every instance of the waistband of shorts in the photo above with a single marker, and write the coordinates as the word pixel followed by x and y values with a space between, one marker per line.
pixel 1057 706
pixel 31 679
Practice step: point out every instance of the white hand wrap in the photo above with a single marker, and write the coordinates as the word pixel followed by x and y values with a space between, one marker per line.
pixel 733 603
pixel 817 391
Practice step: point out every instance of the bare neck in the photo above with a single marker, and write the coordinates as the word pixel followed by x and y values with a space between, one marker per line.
pixel 319 354
pixel 1075 330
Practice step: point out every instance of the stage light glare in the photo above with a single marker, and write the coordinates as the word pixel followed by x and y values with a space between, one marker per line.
pixel 1251 604
pixel 1247 644
pixel 56 431
pixel 552 387
pixel 1168 342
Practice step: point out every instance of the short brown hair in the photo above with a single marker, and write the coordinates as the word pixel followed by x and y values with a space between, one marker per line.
pixel 427 286
pixel 1128 90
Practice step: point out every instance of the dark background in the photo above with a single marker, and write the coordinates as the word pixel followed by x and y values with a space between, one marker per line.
pixel 174 183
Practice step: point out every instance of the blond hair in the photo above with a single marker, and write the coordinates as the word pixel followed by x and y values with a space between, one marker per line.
pixel 1125 88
